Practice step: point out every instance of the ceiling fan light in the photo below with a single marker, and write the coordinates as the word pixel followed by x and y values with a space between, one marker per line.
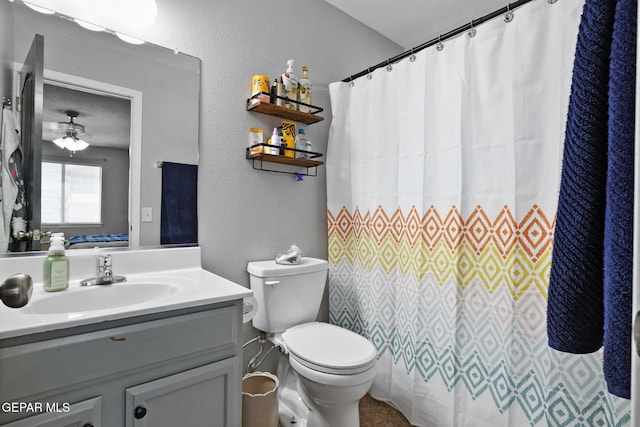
pixel 59 142
pixel 75 144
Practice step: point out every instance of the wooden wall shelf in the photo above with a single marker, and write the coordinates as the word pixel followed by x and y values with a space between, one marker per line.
pixel 259 158
pixel 282 112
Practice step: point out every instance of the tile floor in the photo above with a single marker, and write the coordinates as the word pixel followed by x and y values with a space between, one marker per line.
pixel 374 413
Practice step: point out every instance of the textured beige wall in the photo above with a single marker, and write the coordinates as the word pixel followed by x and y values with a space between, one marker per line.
pixel 245 214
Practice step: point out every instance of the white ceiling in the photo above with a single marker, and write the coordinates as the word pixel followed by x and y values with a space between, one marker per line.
pixel 410 23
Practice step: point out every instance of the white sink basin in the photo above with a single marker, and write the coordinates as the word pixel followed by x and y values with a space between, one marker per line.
pixel 99 297
pixel 158 281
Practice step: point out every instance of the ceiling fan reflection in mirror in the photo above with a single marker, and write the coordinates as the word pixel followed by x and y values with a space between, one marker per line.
pixel 71 131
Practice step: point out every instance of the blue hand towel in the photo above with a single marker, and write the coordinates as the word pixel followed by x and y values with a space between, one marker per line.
pixel 589 300
pixel 179 206
pixel 618 226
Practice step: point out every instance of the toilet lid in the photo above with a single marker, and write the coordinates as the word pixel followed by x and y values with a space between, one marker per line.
pixel 329 348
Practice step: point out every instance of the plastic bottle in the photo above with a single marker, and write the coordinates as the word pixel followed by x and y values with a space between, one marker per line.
pixel 290 82
pixel 274 141
pixel 55 273
pixel 302 144
pixel 256 137
pixel 304 91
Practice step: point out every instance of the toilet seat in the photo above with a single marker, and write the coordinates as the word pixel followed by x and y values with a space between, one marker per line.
pixel 329 349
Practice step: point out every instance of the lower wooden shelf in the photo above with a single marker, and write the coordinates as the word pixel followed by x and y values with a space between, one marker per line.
pixel 260 158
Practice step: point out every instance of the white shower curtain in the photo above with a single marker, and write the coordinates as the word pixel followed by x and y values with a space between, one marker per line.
pixel 442 182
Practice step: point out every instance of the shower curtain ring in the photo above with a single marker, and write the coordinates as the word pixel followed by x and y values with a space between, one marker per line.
pixel 351 83
pixel 369 76
pixel 389 66
pixel 472 31
pixel 508 17
pixel 440 45
pixel 412 58
pixel 552 1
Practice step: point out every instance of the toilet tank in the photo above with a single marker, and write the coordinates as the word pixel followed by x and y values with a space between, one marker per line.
pixel 287 295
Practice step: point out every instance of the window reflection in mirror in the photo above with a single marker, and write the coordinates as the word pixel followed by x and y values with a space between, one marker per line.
pixel 71 195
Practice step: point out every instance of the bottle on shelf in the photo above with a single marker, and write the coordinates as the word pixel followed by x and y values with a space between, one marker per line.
pixel 274 91
pixel 260 88
pixel 302 144
pixel 290 82
pixel 288 138
pixel 278 93
pixel 304 90
pixel 274 143
pixel 256 137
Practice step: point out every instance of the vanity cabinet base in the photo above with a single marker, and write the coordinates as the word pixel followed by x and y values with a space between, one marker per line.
pixel 201 391
pixel 176 369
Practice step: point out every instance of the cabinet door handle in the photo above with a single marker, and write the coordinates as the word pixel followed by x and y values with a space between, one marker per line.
pixel 139 412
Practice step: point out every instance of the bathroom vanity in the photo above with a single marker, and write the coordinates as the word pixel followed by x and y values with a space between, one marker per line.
pixel 171 359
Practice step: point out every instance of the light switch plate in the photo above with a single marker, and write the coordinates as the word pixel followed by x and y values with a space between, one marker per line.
pixel 147 214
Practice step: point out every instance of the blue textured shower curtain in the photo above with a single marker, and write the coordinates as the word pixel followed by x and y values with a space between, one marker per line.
pixel 442 184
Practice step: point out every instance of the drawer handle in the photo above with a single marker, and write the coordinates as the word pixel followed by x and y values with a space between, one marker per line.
pixel 139 412
pixel 272 282
pixel 114 339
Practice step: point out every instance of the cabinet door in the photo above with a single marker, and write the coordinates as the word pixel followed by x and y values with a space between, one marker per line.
pixel 87 413
pixel 204 396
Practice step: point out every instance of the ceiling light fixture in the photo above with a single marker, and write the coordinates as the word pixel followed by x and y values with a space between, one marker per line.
pixel 70 140
pixel 129 39
pixel 118 15
pixel 39 8
pixel 88 25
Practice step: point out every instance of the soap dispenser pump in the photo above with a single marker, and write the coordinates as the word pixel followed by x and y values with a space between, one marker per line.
pixel 55 274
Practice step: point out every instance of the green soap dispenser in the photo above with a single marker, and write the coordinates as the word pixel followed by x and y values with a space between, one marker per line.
pixel 55 274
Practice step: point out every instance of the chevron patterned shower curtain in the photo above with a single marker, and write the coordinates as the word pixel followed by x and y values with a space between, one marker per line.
pixel 442 182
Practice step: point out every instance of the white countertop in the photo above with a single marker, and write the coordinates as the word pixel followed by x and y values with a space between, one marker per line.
pixel 192 286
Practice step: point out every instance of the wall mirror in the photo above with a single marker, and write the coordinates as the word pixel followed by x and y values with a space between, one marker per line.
pixel 139 109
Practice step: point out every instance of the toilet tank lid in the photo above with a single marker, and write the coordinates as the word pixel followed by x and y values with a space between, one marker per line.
pixel 271 269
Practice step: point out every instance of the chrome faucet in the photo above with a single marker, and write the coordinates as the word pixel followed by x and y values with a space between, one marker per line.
pixel 104 273
pixel 103 268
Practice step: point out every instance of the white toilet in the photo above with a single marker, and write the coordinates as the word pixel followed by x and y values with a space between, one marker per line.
pixel 335 367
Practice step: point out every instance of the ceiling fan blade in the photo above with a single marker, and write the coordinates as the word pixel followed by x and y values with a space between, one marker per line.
pixel 50 126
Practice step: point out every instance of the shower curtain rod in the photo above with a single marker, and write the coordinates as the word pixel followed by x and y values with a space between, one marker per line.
pixel 442 37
